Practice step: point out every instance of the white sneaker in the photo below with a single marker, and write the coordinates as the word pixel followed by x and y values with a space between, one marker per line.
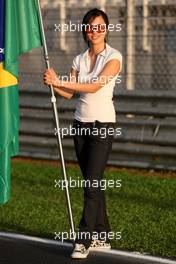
pixel 80 251
pixel 99 245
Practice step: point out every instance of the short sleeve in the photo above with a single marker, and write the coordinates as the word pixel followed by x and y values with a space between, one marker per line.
pixel 76 64
pixel 115 55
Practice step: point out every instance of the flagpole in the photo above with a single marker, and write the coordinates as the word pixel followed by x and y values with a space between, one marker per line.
pixel 53 101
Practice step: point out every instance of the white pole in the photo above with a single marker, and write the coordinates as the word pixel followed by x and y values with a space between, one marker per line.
pixel 53 101
pixel 63 43
pixel 145 40
pixel 130 44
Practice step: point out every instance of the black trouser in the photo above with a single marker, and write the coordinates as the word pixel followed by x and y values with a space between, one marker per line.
pixel 92 152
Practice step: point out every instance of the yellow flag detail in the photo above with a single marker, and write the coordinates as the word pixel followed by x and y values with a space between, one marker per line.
pixel 6 78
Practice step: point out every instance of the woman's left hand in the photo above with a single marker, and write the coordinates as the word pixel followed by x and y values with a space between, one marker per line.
pixel 50 77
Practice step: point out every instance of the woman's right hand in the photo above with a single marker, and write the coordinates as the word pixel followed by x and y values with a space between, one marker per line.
pixel 50 77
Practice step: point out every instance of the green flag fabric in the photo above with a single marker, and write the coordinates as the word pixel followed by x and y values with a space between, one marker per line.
pixel 20 33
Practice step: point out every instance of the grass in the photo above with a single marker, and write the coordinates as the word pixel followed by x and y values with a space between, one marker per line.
pixel 143 209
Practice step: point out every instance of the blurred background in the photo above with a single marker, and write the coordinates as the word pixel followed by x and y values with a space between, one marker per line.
pixel 144 100
pixel 143 157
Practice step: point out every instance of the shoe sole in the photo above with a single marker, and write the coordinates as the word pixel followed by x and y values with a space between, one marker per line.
pixel 79 257
pixel 99 249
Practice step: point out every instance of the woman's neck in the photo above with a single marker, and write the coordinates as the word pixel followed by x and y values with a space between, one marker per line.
pixel 96 49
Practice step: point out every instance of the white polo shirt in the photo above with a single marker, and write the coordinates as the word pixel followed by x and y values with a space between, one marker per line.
pixel 99 105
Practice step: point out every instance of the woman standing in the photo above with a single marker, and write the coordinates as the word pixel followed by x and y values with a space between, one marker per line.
pixel 95 71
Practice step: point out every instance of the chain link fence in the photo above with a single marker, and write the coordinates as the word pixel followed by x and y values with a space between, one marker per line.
pixel 147 41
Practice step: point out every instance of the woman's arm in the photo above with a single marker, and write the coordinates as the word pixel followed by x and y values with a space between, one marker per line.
pixel 64 91
pixel 61 90
pixel 110 70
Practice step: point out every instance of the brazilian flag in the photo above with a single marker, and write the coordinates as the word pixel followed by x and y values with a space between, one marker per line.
pixel 19 33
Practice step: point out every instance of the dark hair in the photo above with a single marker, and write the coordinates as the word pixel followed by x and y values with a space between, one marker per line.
pixel 91 15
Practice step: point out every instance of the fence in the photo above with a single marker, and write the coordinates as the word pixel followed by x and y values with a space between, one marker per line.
pixel 144 100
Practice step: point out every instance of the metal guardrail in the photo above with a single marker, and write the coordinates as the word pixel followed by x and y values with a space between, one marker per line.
pixel 147 120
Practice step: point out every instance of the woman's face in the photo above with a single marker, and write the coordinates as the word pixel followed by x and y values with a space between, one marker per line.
pixel 99 30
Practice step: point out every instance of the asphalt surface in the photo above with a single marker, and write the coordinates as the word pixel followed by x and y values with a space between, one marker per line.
pixel 23 251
